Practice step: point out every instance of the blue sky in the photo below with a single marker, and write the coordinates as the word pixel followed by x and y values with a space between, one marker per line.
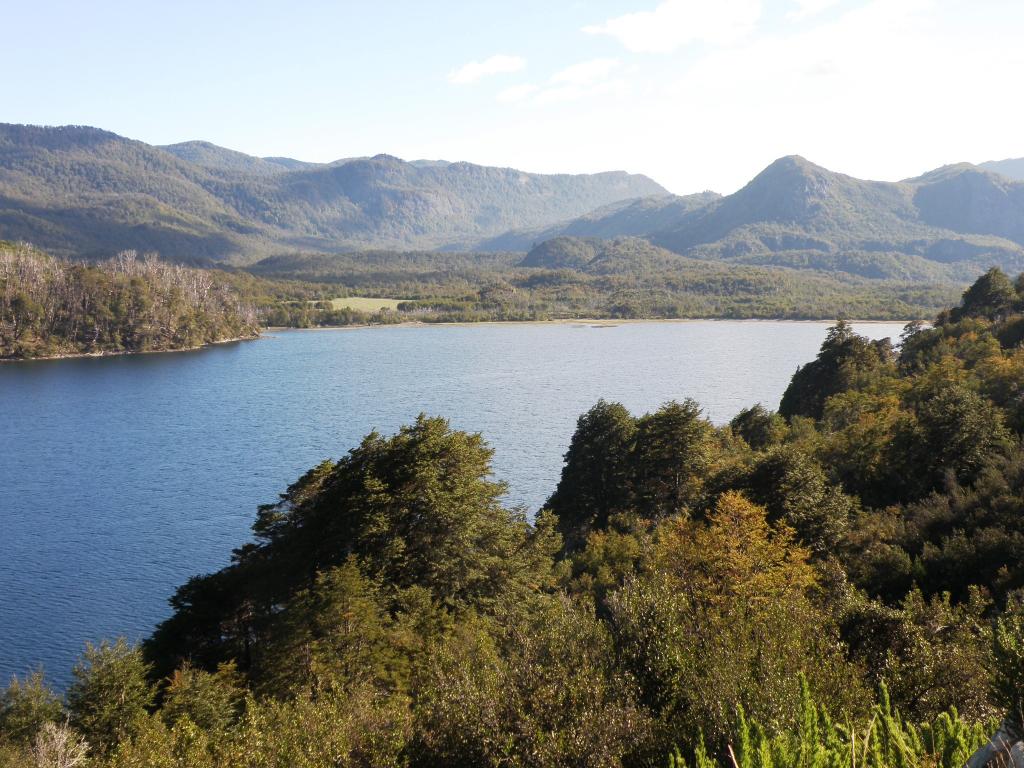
pixel 698 94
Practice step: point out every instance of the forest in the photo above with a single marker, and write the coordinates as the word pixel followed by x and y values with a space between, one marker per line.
pixel 53 307
pixel 568 278
pixel 50 307
pixel 839 582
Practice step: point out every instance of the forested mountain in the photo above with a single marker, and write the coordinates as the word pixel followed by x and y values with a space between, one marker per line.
pixel 952 223
pixel 947 225
pixel 86 192
pixel 839 583
pixel 623 219
pixel 215 158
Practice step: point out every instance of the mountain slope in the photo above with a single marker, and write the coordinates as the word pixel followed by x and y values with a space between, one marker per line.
pixel 969 199
pixel 88 192
pixel 594 256
pixel 1012 168
pixel 214 158
pixel 949 224
pixel 85 192
pixel 82 191
pixel 628 218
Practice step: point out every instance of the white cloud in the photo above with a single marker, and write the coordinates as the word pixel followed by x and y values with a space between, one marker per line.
pixel 573 92
pixel 517 93
pixel 577 81
pixel 675 23
pixel 807 8
pixel 881 89
pixel 476 70
pixel 586 72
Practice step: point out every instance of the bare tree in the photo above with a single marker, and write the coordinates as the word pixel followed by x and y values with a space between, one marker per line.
pixel 58 746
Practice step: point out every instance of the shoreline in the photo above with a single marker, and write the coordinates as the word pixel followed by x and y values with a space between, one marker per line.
pixel 124 352
pixel 583 322
pixel 596 322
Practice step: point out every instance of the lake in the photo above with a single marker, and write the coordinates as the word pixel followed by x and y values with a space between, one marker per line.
pixel 120 477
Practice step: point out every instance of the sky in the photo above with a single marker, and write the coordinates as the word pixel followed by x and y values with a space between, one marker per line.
pixel 697 94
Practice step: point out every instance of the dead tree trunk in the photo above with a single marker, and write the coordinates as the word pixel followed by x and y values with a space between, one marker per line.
pixel 1004 750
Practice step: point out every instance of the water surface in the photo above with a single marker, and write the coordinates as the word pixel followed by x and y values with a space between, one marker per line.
pixel 122 476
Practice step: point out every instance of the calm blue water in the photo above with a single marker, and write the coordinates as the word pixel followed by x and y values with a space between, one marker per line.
pixel 121 477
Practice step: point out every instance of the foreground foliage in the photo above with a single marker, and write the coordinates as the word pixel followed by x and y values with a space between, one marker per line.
pixel 838 584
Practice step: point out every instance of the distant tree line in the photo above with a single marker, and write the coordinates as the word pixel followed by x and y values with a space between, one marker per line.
pixel 621 279
pixel 839 584
pixel 128 304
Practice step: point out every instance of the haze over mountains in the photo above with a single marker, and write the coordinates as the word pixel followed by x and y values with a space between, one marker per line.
pixel 86 192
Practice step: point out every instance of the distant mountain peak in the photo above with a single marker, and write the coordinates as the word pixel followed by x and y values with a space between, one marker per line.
pixel 55 136
pixel 791 189
pixel 219 159
pixel 953 170
pixel 793 161
pixel 1011 168
pixel 793 167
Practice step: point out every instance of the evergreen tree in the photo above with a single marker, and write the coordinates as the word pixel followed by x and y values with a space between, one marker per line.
pixel 597 477
pixel 674 451
pixel 110 693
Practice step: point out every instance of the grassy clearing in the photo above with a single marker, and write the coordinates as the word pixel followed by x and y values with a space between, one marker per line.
pixel 363 304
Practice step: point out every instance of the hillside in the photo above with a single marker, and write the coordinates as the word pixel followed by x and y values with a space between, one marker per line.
pixel 82 191
pixel 214 158
pixel 1012 168
pixel 949 224
pixel 628 218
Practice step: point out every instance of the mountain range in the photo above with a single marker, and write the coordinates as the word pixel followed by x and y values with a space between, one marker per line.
pixel 82 191
pixel 86 192
pixel 949 224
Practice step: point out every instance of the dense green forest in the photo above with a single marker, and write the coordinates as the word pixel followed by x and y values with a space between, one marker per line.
pixel 50 307
pixel 566 278
pixel 54 307
pixel 838 583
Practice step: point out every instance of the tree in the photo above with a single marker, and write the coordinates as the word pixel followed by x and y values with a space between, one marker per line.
pixel 330 636
pixel 110 693
pixel 1008 648
pixel 794 489
pixel 417 509
pixel 960 430
pixel 674 450
pixel 357 729
pixel 536 686
pixel 211 701
pixel 26 706
pixel 596 480
pixel 844 359
pixel 721 617
pixel 759 427
pixel 58 746
pixel 992 295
